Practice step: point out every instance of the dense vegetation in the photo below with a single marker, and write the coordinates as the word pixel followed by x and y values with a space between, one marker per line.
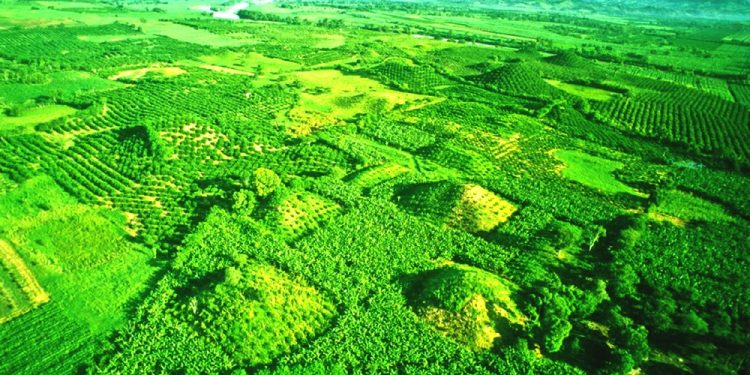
pixel 334 186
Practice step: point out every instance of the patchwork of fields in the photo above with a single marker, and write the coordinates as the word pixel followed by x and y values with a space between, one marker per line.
pixel 372 187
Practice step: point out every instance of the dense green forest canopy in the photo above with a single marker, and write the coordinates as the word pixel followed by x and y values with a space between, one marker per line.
pixel 330 186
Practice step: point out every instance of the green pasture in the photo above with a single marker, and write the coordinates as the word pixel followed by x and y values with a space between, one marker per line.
pixel 34 116
pixel 592 171
pixel 582 91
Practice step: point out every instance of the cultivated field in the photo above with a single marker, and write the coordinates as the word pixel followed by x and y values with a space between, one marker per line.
pixel 335 186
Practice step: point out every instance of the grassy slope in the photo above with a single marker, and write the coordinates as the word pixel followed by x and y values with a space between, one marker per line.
pixel 82 258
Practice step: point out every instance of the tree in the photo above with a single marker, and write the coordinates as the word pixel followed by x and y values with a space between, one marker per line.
pixel 266 181
pixel 620 363
pixel 599 233
pixel 244 201
pixel 633 339
pixel 630 340
pixel 558 331
pixel 550 314
pixel 659 309
pixel 693 323
pixel 563 235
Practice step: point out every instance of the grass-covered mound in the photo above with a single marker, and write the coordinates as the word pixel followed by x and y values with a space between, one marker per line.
pixel 468 207
pixel 258 312
pixel 516 79
pixel 298 212
pixel 479 210
pixel 150 72
pixel 406 75
pixel 568 59
pixel 467 304
pixel 371 176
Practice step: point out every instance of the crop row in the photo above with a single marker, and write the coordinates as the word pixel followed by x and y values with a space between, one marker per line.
pixel 699 129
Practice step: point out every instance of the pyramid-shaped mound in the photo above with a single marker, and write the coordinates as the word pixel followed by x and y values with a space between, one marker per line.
pixel 468 304
pixel 468 207
pixel 567 58
pixel 517 79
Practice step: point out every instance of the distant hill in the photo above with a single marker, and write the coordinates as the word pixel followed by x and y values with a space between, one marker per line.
pixel 728 9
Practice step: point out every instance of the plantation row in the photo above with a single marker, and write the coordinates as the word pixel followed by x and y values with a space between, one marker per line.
pixel 64 343
pixel 67 51
pixel 699 129
pixel 741 93
pixel 691 100
pixel 714 86
pixel 408 77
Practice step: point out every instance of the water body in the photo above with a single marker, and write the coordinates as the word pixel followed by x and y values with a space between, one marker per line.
pixel 231 12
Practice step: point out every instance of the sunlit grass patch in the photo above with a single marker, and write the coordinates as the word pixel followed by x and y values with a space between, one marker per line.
pixel 136 74
pixel 587 92
pixel 479 210
pixel 34 116
pixel 592 171
pixel 20 292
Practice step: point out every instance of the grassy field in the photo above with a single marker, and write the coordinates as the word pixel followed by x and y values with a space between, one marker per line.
pixel 582 91
pixel 592 171
pixel 34 116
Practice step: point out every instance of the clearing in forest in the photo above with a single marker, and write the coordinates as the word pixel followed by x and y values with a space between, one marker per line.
pixel 251 62
pixel 592 171
pixel 328 41
pixel 343 96
pixel 136 74
pixel 587 92
pixel 38 115
pixel 302 212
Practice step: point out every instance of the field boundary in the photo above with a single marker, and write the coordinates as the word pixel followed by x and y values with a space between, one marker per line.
pixel 35 295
